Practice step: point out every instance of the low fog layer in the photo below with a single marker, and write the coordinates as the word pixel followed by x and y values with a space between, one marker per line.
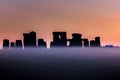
pixel 60 63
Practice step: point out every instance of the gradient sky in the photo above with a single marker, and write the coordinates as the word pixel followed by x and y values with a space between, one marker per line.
pixel 89 17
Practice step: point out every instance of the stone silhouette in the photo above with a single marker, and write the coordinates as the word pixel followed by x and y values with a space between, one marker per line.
pixel 18 44
pixel 95 43
pixel 29 39
pixel 41 43
pixel 59 39
pixel 76 40
pixel 6 43
pixel 86 43
pixel 92 43
pixel 12 44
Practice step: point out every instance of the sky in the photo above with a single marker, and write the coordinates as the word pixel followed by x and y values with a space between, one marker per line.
pixel 89 17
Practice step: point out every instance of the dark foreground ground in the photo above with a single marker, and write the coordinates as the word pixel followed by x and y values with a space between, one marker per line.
pixel 60 64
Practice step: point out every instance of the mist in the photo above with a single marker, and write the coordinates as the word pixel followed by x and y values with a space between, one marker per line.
pixel 60 63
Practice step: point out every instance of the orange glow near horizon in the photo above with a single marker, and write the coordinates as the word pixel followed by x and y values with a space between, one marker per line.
pixel 89 17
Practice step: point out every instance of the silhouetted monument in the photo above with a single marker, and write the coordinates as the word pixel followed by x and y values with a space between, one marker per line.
pixel 86 43
pixel 95 43
pixel 41 43
pixel 92 43
pixel 5 43
pixel 12 44
pixel 18 44
pixel 59 39
pixel 29 39
pixel 76 41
